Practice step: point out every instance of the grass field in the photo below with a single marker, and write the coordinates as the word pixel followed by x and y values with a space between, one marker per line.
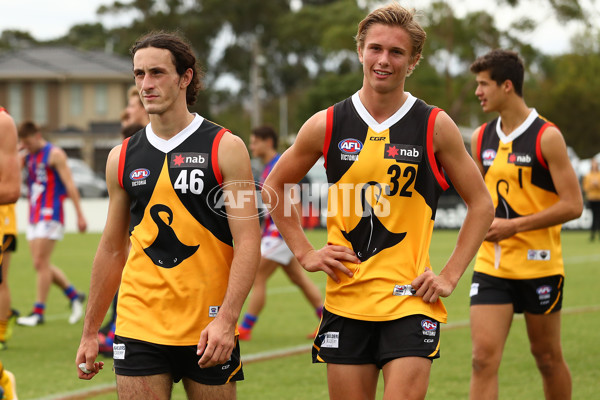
pixel 42 358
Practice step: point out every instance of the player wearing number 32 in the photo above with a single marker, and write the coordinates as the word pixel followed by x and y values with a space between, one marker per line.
pixel 184 282
pixel 384 152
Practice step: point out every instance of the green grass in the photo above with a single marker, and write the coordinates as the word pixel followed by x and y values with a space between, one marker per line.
pixel 42 358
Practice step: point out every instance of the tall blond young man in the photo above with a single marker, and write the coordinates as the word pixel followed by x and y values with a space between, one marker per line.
pixel 191 263
pixel 385 152
pixel 519 268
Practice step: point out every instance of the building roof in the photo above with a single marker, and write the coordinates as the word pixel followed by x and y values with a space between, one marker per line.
pixel 63 63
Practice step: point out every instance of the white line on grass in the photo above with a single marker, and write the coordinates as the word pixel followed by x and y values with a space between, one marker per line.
pixel 581 259
pixel 81 394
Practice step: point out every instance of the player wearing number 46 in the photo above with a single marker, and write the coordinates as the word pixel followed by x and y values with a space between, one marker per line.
pixel 191 264
pixel 385 152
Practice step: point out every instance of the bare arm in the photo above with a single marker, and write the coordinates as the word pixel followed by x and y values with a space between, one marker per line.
pixel 474 139
pixel 58 161
pixel 107 267
pixel 291 167
pixel 569 205
pixel 467 179
pixel 10 179
pixel 217 340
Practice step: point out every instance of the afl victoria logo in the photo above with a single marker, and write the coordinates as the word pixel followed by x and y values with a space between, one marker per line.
pixel 140 173
pixel 428 325
pixel 488 154
pixel 350 146
pixel 544 290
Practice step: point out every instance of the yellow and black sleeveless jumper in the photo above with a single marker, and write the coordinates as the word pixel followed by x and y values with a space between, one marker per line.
pixel 384 186
pixel 4 212
pixel 181 247
pixel 520 184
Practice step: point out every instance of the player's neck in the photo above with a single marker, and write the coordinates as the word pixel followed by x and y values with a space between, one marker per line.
pixel 382 106
pixel 268 156
pixel 513 115
pixel 39 145
pixel 168 124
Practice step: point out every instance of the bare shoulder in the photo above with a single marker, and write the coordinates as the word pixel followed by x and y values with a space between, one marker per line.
pixel 6 120
pixel 446 134
pixel 57 157
pixel 232 150
pixel 233 158
pixel 8 128
pixel 112 167
pixel 311 135
pixel 114 155
pixel 229 141
pixel 553 144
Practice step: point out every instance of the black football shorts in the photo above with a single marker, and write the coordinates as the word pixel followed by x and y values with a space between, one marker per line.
pixel 535 296
pixel 138 358
pixel 344 340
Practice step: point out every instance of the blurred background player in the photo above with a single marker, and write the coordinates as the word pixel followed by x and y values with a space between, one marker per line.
pixel 49 181
pixel 8 384
pixel 9 220
pixel 591 187
pixel 274 251
pixel 134 113
pixel 10 183
pixel 519 267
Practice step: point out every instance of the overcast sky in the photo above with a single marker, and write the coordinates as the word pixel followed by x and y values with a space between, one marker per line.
pixel 46 19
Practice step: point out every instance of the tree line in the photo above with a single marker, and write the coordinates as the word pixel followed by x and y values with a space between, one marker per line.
pixel 283 60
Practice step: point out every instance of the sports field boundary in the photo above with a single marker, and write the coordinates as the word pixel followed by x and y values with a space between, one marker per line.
pixel 82 394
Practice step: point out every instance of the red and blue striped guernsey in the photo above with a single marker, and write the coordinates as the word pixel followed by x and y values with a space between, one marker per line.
pixel 269 228
pixel 46 190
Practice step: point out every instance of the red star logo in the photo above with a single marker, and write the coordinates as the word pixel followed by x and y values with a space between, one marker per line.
pixel 512 158
pixel 178 160
pixel 392 151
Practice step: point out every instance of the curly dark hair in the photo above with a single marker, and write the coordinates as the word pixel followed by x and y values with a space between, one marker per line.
pixel 182 54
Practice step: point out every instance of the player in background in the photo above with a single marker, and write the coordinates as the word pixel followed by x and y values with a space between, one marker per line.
pixel 49 181
pixel 274 251
pixel 519 268
pixel 10 184
pixel 9 245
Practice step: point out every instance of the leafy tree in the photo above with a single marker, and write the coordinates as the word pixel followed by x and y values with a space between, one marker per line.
pixel 14 39
pixel 568 95
pixel 86 37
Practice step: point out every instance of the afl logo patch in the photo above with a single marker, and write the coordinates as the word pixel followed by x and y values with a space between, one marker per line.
pixel 350 146
pixel 140 173
pixel 544 290
pixel 429 325
pixel 488 157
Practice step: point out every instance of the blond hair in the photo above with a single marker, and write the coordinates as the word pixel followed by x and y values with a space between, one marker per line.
pixel 394 14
